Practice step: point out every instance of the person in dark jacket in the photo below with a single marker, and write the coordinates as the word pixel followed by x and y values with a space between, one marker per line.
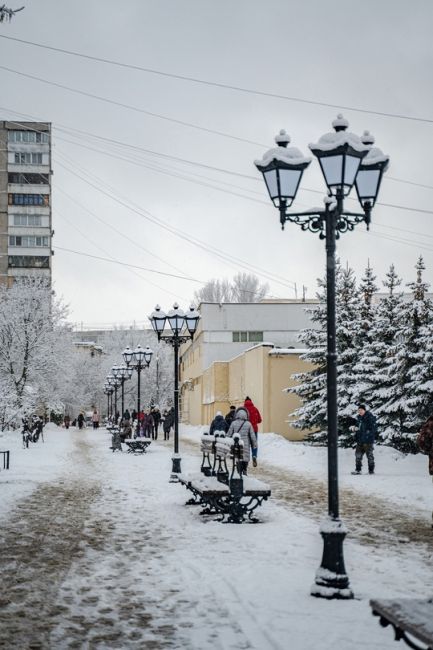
pixel 230 416
pixel 255 419
pixel 156 414
pixel 365 436
pixel 147 424
pixel 168 423
pixel 80 420
pixel 425 443
pixel 218 423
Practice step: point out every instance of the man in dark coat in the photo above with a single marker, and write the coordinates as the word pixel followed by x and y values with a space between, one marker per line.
pixel 230 416
pixel 168 423
pixel 218 423
pixel 156 414
pixel 365 435
pixel 425 443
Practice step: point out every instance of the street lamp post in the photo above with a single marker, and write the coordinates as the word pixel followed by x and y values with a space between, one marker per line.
pixel 138 360
pixel 345 160
pixel 183 326
pixel 114 381
pixel 107 391
pixel 122 373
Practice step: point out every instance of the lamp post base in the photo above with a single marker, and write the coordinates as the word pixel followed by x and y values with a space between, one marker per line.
pixel 331 578
pixel 175 468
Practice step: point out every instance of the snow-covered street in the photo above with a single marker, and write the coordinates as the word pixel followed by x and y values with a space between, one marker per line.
pixel 99 551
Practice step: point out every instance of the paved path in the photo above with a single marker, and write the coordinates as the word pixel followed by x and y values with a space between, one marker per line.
pixel 108 557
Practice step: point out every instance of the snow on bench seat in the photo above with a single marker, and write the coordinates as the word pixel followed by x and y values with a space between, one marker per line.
pixel 411 615
pixel 254 486
pixel 205 485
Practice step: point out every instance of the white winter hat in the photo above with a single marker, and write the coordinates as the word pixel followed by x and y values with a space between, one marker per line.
pixel 218 413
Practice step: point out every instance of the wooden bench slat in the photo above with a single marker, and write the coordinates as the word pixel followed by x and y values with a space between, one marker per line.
pixel 412 615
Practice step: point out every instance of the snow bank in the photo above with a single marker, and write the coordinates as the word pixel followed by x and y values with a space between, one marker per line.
pixel 42 462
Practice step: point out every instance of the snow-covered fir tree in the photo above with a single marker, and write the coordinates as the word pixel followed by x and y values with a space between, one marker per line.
pixel 407 400
pixel 357 384
pixel 312 384
pixel 349 307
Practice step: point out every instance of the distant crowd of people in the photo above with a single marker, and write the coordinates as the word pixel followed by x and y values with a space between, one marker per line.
pixel 145 423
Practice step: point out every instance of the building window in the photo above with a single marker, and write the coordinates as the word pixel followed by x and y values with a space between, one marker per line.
pixel 28 241
pixel 29 199
pixel 29 178
pixel 28 158
pixel 27 220
pixel 244 337
pixel 29 261
pixel 28 137
pixel 255 337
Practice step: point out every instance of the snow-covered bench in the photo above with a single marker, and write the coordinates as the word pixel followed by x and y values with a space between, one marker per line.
pixel 137 445
pixel 408 616
pixel 235 496
pixel 5 457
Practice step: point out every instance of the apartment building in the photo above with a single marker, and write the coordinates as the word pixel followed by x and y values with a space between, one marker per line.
pixel 25 200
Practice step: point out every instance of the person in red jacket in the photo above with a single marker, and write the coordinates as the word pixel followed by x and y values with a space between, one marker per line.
pixel 255 419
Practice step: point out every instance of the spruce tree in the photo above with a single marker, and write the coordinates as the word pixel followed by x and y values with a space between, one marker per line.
pixel 359 380
pixel 407 375
pixel 349 306
pixel 311 386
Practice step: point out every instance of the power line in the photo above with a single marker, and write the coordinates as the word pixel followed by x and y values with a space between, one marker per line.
pixel 145 214
pixel 72 131
pixel 215 84
pixel 133 266
pixel 178 175
pixel 130 108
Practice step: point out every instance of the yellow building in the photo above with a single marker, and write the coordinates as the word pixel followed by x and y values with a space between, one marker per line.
pixel 262 372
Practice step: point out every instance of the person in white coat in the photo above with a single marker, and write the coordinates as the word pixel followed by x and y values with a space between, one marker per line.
pixel 244 428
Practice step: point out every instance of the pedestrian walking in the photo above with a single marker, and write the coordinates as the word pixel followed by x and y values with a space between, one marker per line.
pixel 244 428
pixel 255 419
pixel 147 424
pixel 425 443
pixel 133 415
pixel 126 415
pixel 229 417
pixel 95 419
pixel 168 423
pixel 80 420
pixel 67 421
pixel 218 423
pixel 365 436
pixel 156 414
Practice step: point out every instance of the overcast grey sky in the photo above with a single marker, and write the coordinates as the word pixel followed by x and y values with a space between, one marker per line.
pixel 375 55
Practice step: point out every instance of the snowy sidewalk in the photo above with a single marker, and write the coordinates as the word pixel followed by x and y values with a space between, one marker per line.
pixel 105 555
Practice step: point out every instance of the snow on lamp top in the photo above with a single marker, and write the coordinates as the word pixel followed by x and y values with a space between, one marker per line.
pixel 375 155
pixel 282 153
pixel 338 138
